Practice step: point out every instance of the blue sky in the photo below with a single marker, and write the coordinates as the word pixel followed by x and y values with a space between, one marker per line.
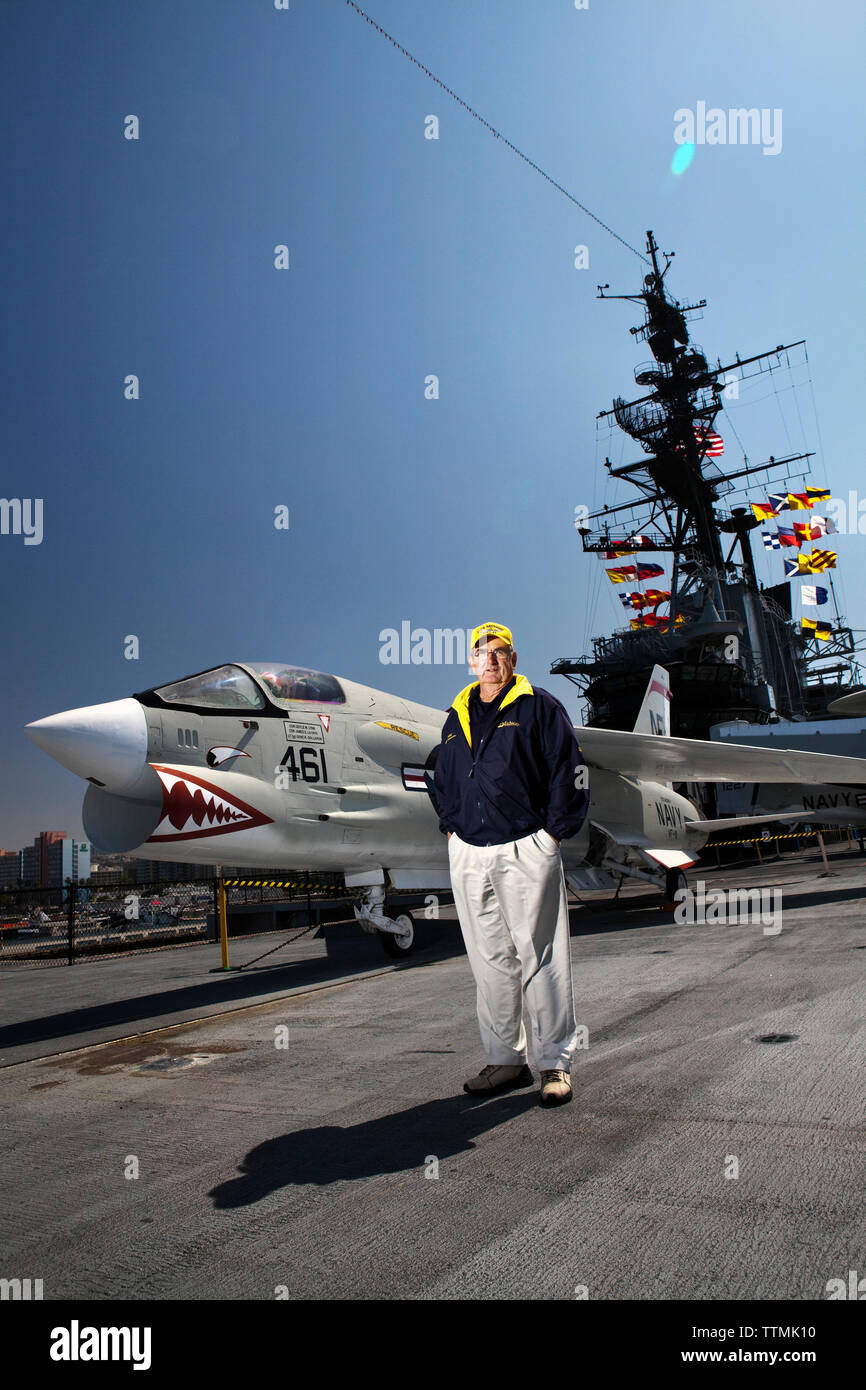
pixel 408 257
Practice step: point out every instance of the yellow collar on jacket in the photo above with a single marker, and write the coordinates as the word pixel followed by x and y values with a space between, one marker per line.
pixel 461 703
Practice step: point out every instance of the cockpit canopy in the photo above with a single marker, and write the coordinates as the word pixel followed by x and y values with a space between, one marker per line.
pixel 288 683
pixel 233 687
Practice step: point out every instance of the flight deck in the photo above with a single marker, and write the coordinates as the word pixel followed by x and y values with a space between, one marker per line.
pixel 314 1141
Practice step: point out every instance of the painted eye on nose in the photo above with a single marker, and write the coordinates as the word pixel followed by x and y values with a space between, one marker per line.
pixel 221 753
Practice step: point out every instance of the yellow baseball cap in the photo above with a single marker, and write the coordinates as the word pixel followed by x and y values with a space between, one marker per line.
pixel 491 630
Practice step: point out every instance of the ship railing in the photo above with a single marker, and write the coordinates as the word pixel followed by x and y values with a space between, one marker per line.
pixel 774 609
pixel 714 474
pixel 658 369
pixel 632 644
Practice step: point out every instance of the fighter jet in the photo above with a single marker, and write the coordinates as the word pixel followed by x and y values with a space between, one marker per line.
pixel 257 763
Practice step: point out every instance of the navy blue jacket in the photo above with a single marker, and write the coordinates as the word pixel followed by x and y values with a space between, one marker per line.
pixel 523 778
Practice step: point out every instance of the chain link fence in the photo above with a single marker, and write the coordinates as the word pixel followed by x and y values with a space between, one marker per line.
pixel 57 926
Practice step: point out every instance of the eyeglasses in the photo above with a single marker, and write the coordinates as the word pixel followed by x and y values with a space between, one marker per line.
pixel 497 654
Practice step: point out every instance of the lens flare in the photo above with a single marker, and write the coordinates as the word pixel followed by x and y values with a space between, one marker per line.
pixel 683 158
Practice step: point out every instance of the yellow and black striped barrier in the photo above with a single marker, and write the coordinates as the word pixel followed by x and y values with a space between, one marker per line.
pixel 222 884
pixel 765 839
pixel 279 883
pixel 818 834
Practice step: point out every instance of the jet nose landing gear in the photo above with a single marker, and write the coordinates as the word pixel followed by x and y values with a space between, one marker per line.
pixel 675 882
pixel 397 934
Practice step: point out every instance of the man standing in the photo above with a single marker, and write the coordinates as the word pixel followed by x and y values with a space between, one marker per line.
pixel 510 783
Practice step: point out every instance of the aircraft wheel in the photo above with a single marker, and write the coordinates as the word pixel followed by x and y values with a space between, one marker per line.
pixel 403 945
pixel 675 881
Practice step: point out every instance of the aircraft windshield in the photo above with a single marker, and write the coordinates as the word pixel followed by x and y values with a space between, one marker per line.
pixel 227 687
pixel 288 683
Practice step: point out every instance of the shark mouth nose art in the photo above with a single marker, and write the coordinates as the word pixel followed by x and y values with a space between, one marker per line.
pixel 193 809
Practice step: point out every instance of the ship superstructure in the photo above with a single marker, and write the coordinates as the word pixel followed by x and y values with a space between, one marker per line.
pixel 730 644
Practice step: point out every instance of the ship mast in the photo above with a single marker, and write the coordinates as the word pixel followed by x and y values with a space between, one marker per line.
pixel 714 597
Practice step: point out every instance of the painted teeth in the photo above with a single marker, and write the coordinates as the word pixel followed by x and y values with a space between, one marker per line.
pixel 193 807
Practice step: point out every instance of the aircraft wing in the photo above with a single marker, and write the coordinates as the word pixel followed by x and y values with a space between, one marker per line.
pixel 852 704
pixel 662 759
pixel 709 827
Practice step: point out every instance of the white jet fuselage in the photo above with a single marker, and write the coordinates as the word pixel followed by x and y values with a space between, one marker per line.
pixel 290 769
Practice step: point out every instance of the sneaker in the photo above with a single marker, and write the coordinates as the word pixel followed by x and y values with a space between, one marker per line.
pixel 495 1078
pixel 555 1087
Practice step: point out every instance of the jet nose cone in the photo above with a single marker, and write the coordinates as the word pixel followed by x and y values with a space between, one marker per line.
pixel 106 743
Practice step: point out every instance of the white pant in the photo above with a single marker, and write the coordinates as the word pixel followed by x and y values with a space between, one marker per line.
pixel 513 910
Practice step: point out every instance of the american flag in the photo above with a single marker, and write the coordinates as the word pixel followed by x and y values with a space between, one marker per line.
pixel 711 443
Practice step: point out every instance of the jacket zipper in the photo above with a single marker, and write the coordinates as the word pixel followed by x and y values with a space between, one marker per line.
pixel 475 756
pixel 471 772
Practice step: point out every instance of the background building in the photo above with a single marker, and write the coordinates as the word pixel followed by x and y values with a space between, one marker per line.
pixel 10 868
pixel 53 858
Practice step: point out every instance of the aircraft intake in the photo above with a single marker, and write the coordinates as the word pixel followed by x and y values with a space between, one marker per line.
pixel 119 824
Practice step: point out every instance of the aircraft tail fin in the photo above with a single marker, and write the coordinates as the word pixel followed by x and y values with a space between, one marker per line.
pixel 655 712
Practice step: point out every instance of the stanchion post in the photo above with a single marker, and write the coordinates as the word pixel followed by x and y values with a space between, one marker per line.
pixel 70 921
pixel 823 851
pixel 223 922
